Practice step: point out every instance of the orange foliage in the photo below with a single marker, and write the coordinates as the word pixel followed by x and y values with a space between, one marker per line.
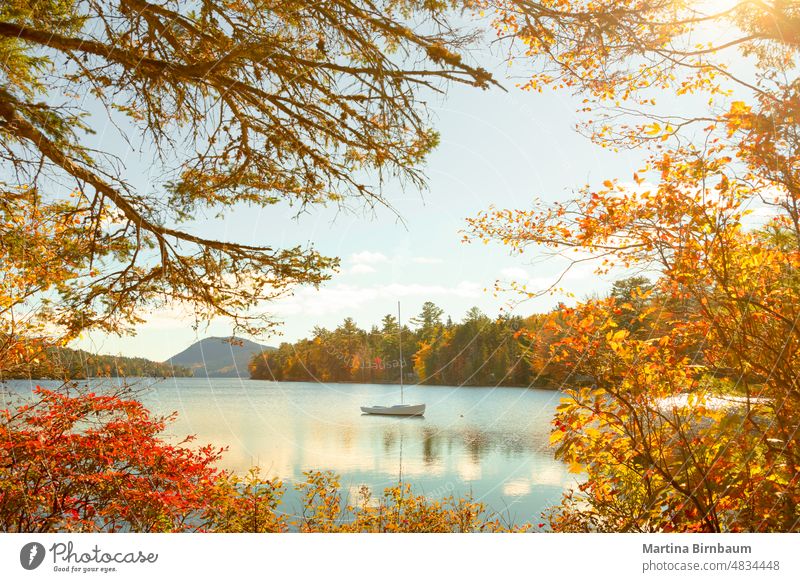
pixel 661 449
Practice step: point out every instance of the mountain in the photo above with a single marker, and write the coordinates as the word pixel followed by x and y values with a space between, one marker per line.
pixel 218 357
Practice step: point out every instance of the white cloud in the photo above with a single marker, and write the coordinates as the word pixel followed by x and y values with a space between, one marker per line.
pixel 360 268
pixel 522 277
pixel 576 278
pixel 463 289
pixel 514 274
pixel 346 298
pixel 172 317
pixel 365 261
pixel 368 257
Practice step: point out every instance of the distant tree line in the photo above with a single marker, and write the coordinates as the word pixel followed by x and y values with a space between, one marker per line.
pixel 65 363
pixel 478 351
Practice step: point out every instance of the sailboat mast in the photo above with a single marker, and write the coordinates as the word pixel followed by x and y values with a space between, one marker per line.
pixel 400 343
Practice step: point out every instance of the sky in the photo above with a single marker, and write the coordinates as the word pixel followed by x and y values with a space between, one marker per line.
pixel 501 148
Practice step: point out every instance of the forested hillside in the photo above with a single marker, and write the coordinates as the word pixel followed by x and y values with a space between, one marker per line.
pixel 217 357
pixel 477 351
pixel 66 363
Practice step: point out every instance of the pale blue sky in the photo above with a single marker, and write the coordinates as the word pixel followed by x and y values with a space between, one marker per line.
pixel 501 148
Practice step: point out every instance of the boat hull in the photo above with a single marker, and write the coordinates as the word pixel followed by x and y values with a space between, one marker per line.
pixel 396 410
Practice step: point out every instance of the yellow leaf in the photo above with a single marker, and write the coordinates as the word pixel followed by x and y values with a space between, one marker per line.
pixel 575 467
pixel 592 432
pixel 653 129
pixel 739 108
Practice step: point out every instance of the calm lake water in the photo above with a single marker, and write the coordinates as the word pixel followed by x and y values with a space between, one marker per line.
pixel 490 442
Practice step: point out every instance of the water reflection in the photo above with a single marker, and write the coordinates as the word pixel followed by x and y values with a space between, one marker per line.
pixel 488 442
pixel 430 445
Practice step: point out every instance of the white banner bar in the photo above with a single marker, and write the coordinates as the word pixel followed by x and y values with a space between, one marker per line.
pixel 385 557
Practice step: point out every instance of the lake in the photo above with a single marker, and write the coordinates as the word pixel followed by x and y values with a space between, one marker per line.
pixel 489 442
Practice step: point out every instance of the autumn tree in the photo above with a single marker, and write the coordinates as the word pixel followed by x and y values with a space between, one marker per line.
pixel 659 450
pixel 74 460
pixel 38 246
pixel 429 321
pixel 479 351
pixel 389 344
pixel 244 103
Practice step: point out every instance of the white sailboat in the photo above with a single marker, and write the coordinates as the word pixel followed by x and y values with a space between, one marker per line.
pixel 401 409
